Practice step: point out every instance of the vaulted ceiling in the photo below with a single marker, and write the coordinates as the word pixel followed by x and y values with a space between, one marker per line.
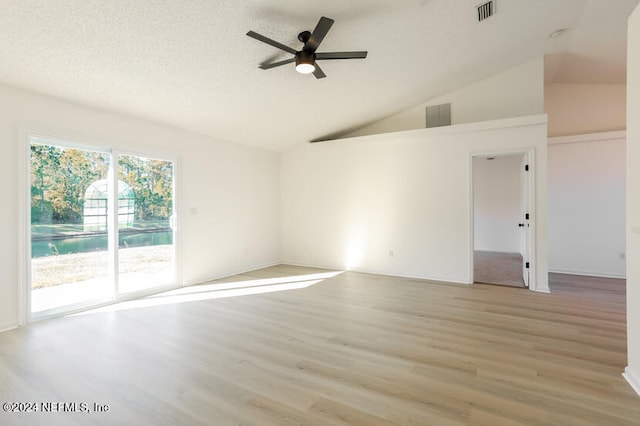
pixel 189 64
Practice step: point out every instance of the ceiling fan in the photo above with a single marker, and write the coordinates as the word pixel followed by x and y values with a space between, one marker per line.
pixel 306 58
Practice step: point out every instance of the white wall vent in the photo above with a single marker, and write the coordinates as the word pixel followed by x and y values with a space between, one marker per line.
pixel 486 10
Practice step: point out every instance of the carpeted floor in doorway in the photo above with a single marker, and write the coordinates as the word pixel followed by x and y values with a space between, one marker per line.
pixel 498 268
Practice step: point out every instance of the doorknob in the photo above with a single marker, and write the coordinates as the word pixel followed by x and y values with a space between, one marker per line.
pixel 521 225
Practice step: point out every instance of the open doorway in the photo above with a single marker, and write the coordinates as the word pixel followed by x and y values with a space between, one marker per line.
pixel 501 220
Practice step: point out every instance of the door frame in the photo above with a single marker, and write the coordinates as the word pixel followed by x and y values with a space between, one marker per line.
pixel 525 219
pixel 24 223
pixel 529 157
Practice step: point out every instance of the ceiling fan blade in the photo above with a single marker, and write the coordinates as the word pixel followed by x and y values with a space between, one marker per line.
pixel 318 72
pixel 277 64
pixel 341 55
pixel 273 43
pixel 321 30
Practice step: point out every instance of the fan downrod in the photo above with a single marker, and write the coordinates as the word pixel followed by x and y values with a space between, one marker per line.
pixel 304 36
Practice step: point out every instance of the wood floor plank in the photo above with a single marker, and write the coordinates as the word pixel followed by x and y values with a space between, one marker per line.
pixel 351 349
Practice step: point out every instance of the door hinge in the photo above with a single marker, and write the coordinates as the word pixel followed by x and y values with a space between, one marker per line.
pixel 526 265
pixel 526 167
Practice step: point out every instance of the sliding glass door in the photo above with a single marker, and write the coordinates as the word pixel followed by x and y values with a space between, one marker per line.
pixel 69 248
pixel 97 234
pixel 145 223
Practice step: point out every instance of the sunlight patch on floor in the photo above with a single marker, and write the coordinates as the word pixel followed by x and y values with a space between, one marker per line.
pixel 202 292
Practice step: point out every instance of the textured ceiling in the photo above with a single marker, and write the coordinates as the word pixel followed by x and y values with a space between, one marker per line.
pixel 189 63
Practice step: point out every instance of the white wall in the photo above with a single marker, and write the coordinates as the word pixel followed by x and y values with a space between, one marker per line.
pixel 632 372
pixel 496 199
pixel 228 198
pixel 576 109
pixel 516 92
pixel 400 203
pixel 587 204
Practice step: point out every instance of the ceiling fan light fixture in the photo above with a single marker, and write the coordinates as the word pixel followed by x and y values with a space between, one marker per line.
pixel 305 62
pixel 304 68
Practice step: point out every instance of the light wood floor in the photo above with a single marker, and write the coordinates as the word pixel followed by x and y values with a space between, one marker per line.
pixel 354 349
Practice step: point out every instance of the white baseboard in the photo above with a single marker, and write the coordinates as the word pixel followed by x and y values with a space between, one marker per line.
pixel 7 327
pixel 588 274
pixel 439 280
pixel 229 274
pixel 541 289
pixel 633 378
pixel 308 265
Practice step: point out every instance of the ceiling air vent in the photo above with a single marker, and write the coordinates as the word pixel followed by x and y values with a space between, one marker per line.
pixel 486 10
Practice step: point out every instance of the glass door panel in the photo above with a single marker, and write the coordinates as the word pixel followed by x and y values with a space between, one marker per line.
pixel 69 227
pixel 146 255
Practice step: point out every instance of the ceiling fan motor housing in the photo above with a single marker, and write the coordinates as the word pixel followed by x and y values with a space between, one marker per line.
pixel 305 57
